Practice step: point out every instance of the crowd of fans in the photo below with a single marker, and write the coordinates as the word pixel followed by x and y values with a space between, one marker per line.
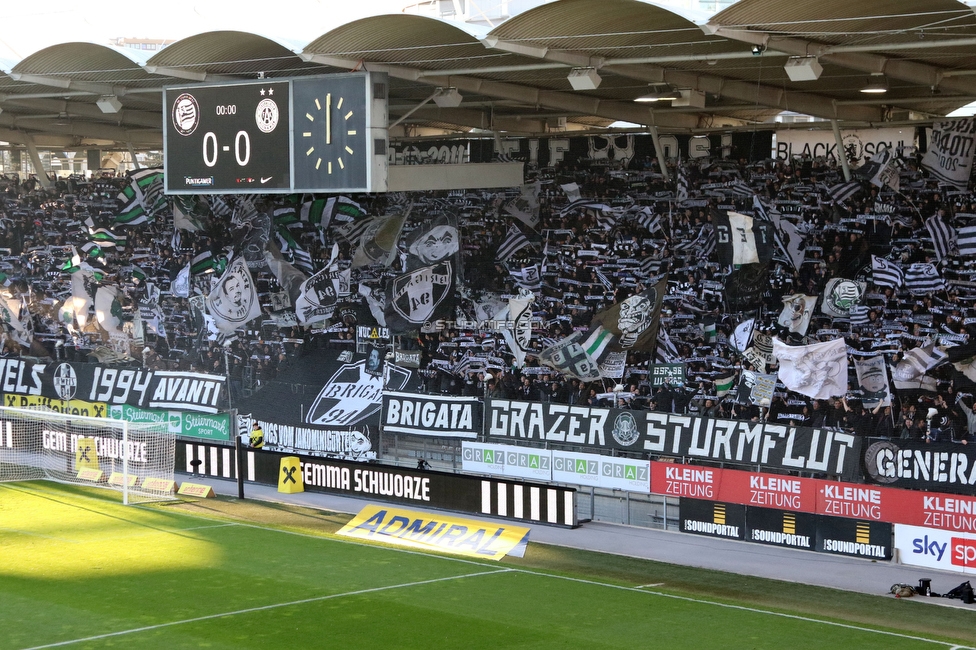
pixel 590 258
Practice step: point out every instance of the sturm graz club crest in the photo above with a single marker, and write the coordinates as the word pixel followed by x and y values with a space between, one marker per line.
pixel 353 394
pixel 186 114
pixel 625 430
pixel 416 295
pixel 65 381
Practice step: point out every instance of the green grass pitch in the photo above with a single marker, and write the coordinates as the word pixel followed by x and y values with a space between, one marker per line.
pixel 79 570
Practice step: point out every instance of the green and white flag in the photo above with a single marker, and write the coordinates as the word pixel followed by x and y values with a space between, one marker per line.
pixel 190 212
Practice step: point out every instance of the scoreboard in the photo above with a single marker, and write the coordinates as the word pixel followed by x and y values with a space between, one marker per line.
pixel 308 134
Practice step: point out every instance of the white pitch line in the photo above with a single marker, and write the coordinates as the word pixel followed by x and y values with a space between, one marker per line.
pixel 951 646
pixel 655 584
pixel 261 608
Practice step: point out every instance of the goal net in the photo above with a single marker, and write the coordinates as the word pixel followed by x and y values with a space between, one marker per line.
pixel 134 458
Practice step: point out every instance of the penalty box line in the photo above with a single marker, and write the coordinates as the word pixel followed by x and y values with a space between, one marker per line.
pixel 743 608
pixel 261 608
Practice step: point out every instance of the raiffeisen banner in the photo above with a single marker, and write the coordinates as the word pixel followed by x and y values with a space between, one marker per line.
pixel 438 532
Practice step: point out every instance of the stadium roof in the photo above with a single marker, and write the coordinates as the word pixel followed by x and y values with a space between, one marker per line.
pixel 514 78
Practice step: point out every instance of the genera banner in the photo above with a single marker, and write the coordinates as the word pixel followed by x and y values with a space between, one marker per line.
pixel 413 529
pixel 161 389
pixel 916 465
pixel 771 445
pixel 432 415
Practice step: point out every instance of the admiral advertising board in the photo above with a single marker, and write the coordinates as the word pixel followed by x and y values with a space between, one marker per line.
pixel 154 389
pixel 939 466
pixel 471 494
pixel 327 404
pixel 936 549
pixel 432 415
pixel 771 445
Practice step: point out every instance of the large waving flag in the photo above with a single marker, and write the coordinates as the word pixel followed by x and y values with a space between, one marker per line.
pixel 818 370
pixel 234 300
pixel 634 322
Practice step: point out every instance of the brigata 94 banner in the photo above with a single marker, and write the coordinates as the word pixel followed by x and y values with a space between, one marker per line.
pixel 817 496
pixel 774 446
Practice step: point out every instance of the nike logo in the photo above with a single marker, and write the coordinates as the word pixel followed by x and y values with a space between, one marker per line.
pixel 265 180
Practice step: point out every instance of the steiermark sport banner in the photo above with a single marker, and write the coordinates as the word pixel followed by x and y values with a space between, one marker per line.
pixel 190 425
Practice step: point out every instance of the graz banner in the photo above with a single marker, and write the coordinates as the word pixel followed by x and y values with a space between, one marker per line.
pixel 769 445
pixel 916 465
pixel 432 415
pixel 506 460
pixel 153 389
pixel 596 470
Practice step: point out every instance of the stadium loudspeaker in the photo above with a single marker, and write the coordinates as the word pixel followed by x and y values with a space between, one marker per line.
pixel 290 476
pixel 803 68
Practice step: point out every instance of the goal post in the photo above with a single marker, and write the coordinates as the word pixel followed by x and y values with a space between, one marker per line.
pixel 134 458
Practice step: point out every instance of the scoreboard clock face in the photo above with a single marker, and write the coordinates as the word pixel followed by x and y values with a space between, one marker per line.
pixel 228 138
pixel 331 134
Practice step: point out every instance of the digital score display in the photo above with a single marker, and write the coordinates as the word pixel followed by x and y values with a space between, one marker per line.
pixel 227 139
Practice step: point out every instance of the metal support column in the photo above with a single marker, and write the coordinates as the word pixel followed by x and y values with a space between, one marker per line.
pixel 38 165
pixel 840 150
pixel 661 159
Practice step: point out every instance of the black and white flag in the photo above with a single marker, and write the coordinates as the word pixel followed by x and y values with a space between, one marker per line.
pixel 943 236
pixel 966 241
pixel 843 191
pixel 950 152
pixel 886 274
pixel 922 278
pixel 515 241
pixel 420 296
pixel 234 300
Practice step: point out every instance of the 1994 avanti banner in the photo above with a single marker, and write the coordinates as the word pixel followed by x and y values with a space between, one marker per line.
pixel 152 389
pixel 768 445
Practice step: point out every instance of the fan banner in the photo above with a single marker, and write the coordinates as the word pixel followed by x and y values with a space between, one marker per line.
pixel 152 389
pixel 769 445
pixel 432 415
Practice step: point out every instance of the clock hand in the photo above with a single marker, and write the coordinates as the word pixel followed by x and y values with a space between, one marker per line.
pixel 328 118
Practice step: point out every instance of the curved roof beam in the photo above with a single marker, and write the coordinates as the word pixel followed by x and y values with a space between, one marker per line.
pixel 913 72
pixel 614 110
pixel 800 102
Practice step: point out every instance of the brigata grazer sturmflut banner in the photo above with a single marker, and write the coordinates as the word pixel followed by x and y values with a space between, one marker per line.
pixel 769 445
pixel 151 389
pixel 432 415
